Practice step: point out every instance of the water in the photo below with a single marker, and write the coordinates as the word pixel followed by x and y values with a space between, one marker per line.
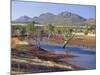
pixel 86 59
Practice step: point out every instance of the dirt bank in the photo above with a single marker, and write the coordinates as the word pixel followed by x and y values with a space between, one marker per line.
pixel 85 42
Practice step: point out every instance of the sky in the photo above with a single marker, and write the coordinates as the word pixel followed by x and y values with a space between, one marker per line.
pixel 32 9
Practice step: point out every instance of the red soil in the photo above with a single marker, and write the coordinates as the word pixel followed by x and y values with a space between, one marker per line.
pixel 86 42
pixel 46 55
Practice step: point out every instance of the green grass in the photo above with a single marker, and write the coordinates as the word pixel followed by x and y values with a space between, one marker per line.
pixel 22 47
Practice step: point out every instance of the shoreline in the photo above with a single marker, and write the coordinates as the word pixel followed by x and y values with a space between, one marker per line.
pixel 46 65
pixel 69 45
pixel 43 54
pixel 79 41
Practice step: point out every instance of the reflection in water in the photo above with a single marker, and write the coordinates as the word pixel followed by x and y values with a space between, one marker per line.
pixel 86 59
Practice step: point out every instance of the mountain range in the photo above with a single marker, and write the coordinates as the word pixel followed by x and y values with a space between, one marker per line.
pixel 61 18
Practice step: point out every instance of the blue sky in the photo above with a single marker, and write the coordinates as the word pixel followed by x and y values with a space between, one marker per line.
pixel 32 9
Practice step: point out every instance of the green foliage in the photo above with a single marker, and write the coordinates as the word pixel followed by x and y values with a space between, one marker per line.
pixel 92 27
pixel 86 32
pixel 22 30
pixel 22 47
pixel 65 30
pixel 30 26
pixel 51 27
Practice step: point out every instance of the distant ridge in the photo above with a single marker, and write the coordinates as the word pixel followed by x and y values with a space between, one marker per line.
pixel 61 18
pixel 23 19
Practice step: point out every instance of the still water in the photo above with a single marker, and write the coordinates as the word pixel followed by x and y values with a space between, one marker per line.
pixel 86 59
